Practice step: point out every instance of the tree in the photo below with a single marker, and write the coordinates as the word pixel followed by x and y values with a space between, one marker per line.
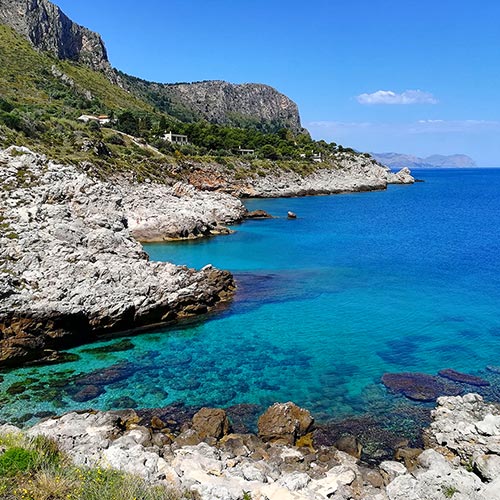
pixel 269 151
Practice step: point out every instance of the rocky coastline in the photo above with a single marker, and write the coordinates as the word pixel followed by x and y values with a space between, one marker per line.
pixel 284 459
pixel 342 173
pixel 72 267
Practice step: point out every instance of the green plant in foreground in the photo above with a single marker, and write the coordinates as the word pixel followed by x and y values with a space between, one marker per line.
pixel 16 460
pixel 35 469
pixel 449 491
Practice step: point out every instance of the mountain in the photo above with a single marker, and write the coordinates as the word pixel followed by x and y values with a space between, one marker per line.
pixel 249 105
pixel 50 30
pixel 398 160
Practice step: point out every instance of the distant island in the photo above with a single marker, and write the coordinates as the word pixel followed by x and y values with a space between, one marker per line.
pixel 399 160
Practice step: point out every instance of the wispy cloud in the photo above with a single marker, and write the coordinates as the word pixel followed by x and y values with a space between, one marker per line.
pixel 390 97
pixel 417 127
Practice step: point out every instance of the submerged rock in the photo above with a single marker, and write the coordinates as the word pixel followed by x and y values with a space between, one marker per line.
pixel 87 392
pixel 121 345
pixel 463 378
pixel 419 386
pixel 115 373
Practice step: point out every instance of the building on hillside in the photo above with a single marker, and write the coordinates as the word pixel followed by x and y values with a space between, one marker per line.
pixel 101 119
pixel 314 157
pixel 242 151
pixel 176 138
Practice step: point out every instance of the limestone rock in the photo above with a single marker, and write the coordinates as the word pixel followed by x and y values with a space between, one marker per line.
pixel 49 29
pixel 73 268
pixel 391 470
pixel 284 422
pixel 402 177
pixel 258 214
pixel 211 422
pixel 466 425
pixel 219 102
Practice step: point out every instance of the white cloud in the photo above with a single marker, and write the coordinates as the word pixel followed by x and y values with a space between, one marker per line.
pixel 417 127
pixel 390 97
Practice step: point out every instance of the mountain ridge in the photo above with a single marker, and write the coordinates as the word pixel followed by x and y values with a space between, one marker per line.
pixel 255 105
pixel 400 160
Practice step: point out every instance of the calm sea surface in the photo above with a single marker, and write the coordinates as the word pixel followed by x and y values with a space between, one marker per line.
pixel 406 279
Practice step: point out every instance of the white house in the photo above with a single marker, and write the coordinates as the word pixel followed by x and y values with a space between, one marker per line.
pixel 245 151
pixel 101 119
pixel 176 138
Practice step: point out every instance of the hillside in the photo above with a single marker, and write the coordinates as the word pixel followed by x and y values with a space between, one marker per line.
pixel 398 160
pixel 42 98
pixel 49 30
pixel 249 105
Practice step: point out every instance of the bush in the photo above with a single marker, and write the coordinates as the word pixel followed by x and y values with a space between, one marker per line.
pixel 17 460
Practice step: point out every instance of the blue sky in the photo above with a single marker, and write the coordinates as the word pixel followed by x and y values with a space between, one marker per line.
pixel 417 77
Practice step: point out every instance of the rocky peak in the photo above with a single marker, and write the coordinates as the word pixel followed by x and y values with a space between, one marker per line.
pixel 49 29
pixel 223 102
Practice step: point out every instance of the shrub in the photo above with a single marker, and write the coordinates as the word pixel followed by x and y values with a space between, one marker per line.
pixel 16 460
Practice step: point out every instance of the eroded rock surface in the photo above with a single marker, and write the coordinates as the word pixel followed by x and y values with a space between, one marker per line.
pixel 460 462
pixel 70 268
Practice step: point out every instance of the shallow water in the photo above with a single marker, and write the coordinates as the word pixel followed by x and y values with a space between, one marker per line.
pixel 402 280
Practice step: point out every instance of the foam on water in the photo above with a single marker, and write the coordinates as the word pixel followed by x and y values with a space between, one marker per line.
pixel 358 285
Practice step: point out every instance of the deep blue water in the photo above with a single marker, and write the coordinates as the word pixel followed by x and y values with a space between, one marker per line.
pixel 406 279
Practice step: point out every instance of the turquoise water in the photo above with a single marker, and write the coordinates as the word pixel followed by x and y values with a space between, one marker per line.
pixel 406 279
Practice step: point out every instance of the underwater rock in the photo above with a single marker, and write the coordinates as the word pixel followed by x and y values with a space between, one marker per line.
pixel 124 402
pixel 86 393
pixel 377 443
pixel 419 386
pixel 50 357
pixel 463 378
pixel 244 417
pixel 16 388
pixel 106 376
pixel 122 345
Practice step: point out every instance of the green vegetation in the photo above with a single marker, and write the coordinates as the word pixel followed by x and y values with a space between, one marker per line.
pixel 449 491
pixel 41 99
pixel 35 469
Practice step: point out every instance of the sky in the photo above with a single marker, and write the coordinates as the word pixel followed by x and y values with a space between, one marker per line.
pixel 415 77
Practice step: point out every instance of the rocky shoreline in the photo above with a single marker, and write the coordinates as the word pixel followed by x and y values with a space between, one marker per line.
pixel 71 267
pixel 284 460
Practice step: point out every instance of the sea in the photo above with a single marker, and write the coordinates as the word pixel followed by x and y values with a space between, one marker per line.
pixel 358 285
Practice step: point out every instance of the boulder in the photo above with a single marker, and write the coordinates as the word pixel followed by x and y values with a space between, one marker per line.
pixel 211 422
pixel 258 214
pixel 284 423
pixel 349 444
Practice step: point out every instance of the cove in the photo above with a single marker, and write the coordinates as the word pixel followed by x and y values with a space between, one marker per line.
pixel 358 285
